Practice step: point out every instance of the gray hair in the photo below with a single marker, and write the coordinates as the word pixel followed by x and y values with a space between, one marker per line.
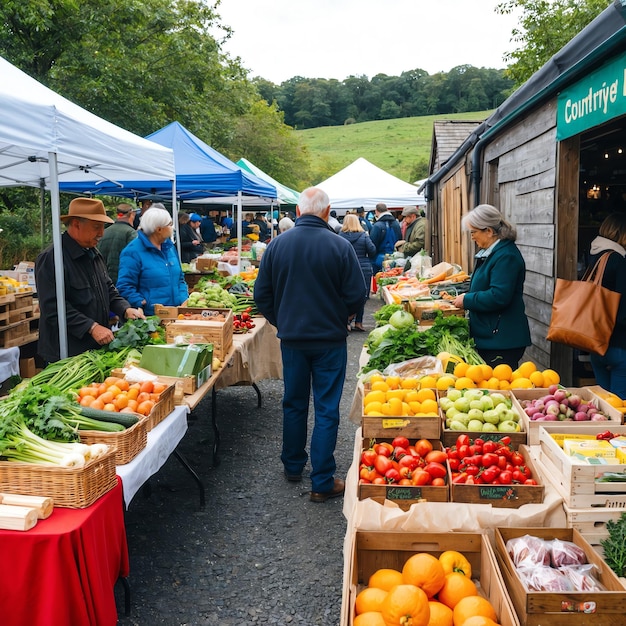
pixel 285 224
pixel 157 205
pixel 313 201
pixel 153 219
pixel 487 216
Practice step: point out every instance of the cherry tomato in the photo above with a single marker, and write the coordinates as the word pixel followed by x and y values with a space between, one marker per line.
pixel 505 441
pixel 463 451
pixel 479 443
pixel 518 477
pixel 489 459
pixel 462 440
pixel 400 442
pixel 472 470
pixel 501 462
pixel 460 478
pixel 505 477
pixel 454 464
pixel 517 458
pixel 490 474
pixel 489 446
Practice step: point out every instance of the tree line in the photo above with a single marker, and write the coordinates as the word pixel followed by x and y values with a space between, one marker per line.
pixel 315 102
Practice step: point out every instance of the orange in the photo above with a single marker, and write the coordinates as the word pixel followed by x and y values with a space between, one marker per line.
pixel 409 383
pixel 393 382
pixel 370 599
pixel 471 606
pixel 492 383
pixel 371 396
pixel 456 587
pixel 460 369
pixel 440 614
pixel 503 371
pixel 521 383
pixel 486 370
pixel 428 382
pixel 385 578
pixel 406 604
pixel 395 393
pixel 527 368
pixel 474 373
pixel 380 385
pixel 550 377
pixel 426 394
pixel 371 618
pixel 424 571
pixel 445 382
pixel 430 407
pixel 479 620
pixel 372 407
pixel 464 383
pixel 536 378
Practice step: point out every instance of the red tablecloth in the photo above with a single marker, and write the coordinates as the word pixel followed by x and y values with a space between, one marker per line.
pixel 62 572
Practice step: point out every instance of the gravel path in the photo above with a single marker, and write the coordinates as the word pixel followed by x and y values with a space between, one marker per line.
pixel 259 552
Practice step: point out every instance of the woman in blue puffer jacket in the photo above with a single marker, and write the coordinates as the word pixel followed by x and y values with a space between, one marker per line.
pixel 366 253
pixel 150 272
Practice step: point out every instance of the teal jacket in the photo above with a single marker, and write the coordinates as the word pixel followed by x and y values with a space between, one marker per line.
pixel 496 308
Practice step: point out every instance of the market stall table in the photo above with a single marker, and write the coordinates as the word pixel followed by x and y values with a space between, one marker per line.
pixel 64 570
pixel 254 356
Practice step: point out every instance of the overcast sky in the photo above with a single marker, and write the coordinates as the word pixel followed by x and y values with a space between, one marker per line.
pixel 279 39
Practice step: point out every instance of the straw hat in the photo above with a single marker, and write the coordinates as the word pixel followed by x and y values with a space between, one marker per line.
pixel 89 209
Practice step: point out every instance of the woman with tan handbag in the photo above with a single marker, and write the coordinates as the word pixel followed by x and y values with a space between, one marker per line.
pixel 610 368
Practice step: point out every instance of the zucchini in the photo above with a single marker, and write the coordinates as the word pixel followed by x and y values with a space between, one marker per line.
pixel 125 419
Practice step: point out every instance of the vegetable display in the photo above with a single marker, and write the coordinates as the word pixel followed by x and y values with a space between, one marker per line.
pixel 562 405
pixel 614 545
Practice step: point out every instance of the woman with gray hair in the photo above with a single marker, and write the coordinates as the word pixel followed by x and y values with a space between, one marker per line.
pixel 150 271
pixel 497 317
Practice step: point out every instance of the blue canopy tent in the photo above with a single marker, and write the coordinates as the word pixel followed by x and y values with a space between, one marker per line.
pixel 201 172
pixel 286 195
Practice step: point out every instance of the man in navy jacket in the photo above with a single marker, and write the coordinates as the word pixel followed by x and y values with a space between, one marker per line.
pixel 309 285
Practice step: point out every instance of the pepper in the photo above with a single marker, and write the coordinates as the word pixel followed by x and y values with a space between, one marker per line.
pixel 453 561
pixel 605 436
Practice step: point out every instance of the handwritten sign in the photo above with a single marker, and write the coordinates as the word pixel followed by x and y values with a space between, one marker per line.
pixel 404 493
pixel 497 492
pixel 395 423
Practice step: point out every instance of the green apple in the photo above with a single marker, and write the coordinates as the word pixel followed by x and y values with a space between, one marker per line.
pixel 475 426
pixel 508 426
pixel 501 409
pixel 462 404
pixel 476 414
pixel 454 425
pixel 489 428
pixel 491 416
pixel 498 399
pixel 473 394
pixel 476 404
pixel 487 403
pixel 462 417
pixel 511 415
pixel 454 394
pixel 445 403
pixel 451 412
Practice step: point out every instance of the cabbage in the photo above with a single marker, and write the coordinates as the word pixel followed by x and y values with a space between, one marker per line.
pixel 376 336
pixel 402 319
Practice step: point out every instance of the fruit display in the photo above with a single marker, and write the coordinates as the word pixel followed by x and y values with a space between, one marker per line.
pixel 562 405
pixel 395 396
pixel 526 376
pixel 478 410
pixel 426 591
pixel 488 462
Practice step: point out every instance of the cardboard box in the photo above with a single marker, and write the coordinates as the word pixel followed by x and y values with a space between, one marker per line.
pixel 174 360
pixel 615 416
pixel 543 608
pixel 502 496
pixel 220 334
pixel 372 550
pixel 27 367
pixel 576 483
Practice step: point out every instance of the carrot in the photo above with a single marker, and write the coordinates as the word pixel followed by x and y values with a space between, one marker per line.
pixel 434 279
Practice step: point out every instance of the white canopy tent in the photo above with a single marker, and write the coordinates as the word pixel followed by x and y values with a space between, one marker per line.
pixel 44 137
pixel 362 184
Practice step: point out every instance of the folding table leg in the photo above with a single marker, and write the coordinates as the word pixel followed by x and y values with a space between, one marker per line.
pixel 126 586
pixel 194 475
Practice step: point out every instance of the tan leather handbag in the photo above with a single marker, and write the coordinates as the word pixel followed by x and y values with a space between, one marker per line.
pixel 584 312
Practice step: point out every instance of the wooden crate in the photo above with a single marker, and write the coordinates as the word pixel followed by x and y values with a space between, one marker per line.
pixel 501 496
pixel 372 550
pixel 576 483
pixel 21 308
pixel 426 313
pixel 205 265
pixel 449 437
pixel 19 333
pixel 5 309
pixel 411 427
pixel 220 334
pixel 591 522
pixel 615 416
pixel 169 313
pixel 403 495
pixel 542 608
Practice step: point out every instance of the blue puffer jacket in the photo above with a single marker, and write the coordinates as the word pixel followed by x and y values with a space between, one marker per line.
pixel 151 275
pixel 365 251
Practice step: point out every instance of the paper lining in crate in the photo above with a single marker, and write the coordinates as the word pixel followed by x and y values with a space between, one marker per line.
pixel 372 550
pixel 220 334
pixel 127 443
pixel 503 496
pixel 403 495
pixel 615 416
pixel 73 488
pixel 551 608
pixel 449 436
pixel 576 483
pixel 419 426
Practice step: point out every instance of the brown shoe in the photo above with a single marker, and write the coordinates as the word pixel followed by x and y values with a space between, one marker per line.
pixel 338 488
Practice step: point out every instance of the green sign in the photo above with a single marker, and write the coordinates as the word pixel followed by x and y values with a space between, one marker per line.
pixel 593 100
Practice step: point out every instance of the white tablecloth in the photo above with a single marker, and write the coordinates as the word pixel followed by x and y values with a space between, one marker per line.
pixel 162 441
pixel 9 363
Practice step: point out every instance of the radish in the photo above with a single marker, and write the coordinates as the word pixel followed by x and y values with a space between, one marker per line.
pixel 552 389
pixel 599 417
pixel 560 395
pixel 574 401
pixel 579 416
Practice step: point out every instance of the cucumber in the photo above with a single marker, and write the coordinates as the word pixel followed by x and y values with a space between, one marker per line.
pixel 125 419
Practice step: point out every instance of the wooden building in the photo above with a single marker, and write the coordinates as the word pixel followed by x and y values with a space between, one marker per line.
pixel 552 158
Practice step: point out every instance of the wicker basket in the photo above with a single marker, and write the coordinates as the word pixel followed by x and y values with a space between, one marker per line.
pixel 127 443
pixel 73 488
pixel 162 408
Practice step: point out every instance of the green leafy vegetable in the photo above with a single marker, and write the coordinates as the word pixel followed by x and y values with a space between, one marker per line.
pixel 138 333
pixel 385 312
pixel 615 545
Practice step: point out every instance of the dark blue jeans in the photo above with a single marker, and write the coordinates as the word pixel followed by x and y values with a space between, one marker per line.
pixel 610 370
pixel 323 371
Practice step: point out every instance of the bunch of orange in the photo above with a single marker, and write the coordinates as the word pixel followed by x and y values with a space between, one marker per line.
pixel 502 376
pixel 118 395
pixel 424 593
pixel 395 396
pixel 613 399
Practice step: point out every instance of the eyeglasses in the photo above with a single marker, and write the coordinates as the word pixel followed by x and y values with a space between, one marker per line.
pixel 480 230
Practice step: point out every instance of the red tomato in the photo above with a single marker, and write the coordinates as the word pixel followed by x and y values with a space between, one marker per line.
pixel 399 452
pixel 489 459
pixel 392 475
pixel 438 456
pixel 530 481
pixel 517 458
pixel 368 457
pixel 505 478
pixel 436 470
pixel 462 440
pixel 420 477
pixel 438 482
pixel 383 449
pixel 382 464
pixel 408 461
pixel 405 472
pixel 454 464
pixel 379 480
pixel 489 446
pixel 423 447
pixel 490 474
pixel 463 451
pixel 404 482
pixel 400 442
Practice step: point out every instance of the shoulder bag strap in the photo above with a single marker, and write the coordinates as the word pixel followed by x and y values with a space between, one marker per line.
pixel 596 273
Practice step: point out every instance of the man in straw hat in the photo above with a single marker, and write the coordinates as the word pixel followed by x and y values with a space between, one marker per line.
pixel 90 295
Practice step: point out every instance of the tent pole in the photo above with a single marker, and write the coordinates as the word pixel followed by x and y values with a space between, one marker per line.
pixel 58 254
pixel 175 219
pixel 239 228
pixel 42 208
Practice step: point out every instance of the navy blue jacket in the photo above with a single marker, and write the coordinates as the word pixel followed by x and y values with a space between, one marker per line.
pixel 379 229
pixel 309 283
pixel 497 316
pixel 364 248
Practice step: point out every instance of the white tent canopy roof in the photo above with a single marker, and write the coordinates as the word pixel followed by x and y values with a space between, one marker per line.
pixel 36 121
pixel 362 184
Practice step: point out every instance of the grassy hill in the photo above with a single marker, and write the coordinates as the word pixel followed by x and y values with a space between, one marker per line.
pixel 393 145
